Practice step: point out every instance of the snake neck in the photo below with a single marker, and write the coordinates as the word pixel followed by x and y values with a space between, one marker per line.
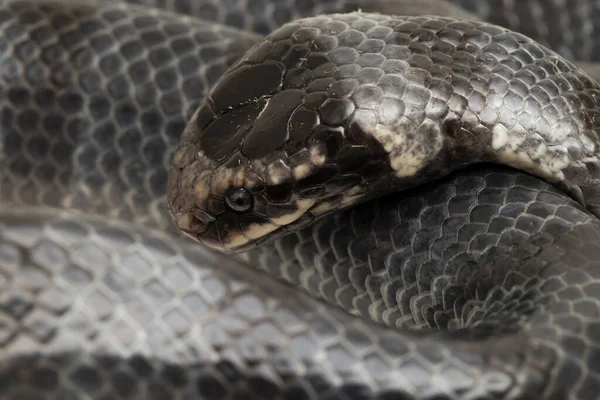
pixel 426 259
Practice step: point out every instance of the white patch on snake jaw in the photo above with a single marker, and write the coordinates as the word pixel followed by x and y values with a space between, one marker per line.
pixel 301 171
pixel 317 155
pixel 350 197
pixel 252 232
pixel 302 205
pixel 409 146
pixel 258 230
pixel 277 172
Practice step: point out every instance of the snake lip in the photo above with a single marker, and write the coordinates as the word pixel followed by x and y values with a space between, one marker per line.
pixel 282 230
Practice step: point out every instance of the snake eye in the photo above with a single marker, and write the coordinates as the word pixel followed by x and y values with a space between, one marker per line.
pixel 238 199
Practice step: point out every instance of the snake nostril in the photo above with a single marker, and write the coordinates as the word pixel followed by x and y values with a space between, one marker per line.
pixel 204 217
pixel 191 225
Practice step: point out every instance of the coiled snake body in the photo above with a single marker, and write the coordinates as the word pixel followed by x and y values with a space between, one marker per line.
pixel 417 199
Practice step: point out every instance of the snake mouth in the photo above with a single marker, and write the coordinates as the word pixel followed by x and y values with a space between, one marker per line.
pixel 307 214
pixel 211 236
pixel 232 231
pixel 247 232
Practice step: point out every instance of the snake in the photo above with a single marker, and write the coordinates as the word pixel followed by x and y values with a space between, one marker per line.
pixel 282 199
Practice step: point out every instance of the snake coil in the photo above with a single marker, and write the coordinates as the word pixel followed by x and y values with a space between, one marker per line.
pixel 412 203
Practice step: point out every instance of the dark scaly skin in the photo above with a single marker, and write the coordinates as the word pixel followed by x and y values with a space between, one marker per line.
pixel 107 307
pixel 567 26
pixel 538 19
pixel 570 27
pixel 170 319
pixel 94 124
pixel 347 107
pixel 264 16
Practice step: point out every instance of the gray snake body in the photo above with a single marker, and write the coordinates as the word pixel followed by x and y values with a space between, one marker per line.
pixel 495 270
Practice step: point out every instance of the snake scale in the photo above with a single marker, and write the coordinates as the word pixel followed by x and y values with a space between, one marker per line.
pixel 417 199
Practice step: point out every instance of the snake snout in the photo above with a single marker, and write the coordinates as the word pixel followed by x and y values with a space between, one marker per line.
pixel 191 225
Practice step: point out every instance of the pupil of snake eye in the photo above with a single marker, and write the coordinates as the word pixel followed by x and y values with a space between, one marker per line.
pixel 239 199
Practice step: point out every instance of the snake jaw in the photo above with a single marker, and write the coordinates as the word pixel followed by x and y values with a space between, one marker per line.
pixel 247 230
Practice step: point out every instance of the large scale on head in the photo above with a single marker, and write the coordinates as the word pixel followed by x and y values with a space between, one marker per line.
pixel 330 111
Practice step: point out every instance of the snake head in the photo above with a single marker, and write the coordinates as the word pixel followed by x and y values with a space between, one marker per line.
pixel 289 134
pixel 232 201
pixel 257 159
